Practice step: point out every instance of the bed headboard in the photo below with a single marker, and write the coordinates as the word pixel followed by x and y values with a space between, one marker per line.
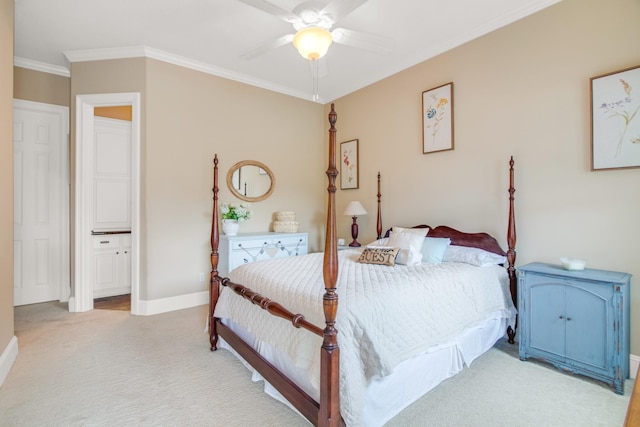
pixel 460 238
pixel 479 240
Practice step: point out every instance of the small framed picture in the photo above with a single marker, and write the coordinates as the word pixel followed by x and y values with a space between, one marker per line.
pixel 437 119
pixel 349 165
pixel 615 123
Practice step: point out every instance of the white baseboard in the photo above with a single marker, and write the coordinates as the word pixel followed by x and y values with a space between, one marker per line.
pixel 634 361
pixel 163 305
pixel 7 358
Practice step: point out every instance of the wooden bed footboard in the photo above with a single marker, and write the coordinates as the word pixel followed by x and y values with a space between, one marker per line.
pixel 326 412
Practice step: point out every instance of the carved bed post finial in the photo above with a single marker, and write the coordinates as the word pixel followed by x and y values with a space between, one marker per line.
pixel 379 221
pixel 511 242
pixel 329 413
pixel 214 285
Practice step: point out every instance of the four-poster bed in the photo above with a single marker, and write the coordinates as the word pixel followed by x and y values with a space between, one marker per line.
pixel 453 319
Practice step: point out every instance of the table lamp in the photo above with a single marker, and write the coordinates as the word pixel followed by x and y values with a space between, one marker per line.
pixel 354 209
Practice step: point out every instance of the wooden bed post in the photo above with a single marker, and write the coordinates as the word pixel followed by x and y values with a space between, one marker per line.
pixel 511 253
pixel 329 413
pixel 214 285
pixel 379 221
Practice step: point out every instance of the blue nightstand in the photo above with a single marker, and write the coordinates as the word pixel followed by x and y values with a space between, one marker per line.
pixel 576 320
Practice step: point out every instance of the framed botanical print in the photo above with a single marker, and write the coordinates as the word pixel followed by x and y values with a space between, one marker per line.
pixel 437 119
pixel 615 124
pixel 349 165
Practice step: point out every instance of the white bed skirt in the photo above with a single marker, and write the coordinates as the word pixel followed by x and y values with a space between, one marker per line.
pixel 387 396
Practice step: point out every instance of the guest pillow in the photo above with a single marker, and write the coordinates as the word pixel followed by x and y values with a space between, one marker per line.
pixel 433 249
pixel 403 254
pixel 410 244
pixel 473 256
pixel 379 255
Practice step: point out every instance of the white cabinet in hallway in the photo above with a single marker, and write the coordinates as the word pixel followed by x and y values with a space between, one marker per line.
pixel 111 219
pixel 112 175
pixel 111 265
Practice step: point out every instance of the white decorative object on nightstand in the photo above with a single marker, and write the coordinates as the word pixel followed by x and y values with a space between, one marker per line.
pixel 250 247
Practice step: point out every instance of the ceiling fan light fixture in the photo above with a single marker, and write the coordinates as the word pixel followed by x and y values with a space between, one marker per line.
pixel 312 42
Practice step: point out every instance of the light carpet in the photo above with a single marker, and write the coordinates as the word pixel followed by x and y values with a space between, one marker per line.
pixel 108 368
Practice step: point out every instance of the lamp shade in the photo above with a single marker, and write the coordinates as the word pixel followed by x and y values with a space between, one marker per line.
pixel 355 208
pixel 312 42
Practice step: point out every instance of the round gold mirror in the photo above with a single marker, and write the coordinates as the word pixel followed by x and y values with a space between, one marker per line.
pixel 251 181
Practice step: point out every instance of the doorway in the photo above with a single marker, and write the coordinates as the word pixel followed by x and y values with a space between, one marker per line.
pixel 83 295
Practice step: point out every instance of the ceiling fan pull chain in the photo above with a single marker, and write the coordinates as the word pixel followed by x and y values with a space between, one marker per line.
pixel 314 78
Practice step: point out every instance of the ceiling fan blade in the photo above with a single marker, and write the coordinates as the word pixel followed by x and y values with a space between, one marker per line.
pixel 271 9
pixel 338 9
pixel 265 47
pixel 370 42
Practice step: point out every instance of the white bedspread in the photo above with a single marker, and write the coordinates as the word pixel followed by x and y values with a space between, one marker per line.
pixel 386 315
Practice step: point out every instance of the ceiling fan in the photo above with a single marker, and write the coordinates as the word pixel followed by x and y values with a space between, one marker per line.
pixel 313 22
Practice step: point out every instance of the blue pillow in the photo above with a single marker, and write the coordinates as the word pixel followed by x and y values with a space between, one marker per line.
pixel 433 249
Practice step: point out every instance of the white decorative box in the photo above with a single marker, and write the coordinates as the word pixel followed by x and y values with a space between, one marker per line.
pixel 285 216
pixel 285 226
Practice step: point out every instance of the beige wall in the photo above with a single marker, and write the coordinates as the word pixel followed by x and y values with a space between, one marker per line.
pixel 6 173
pixel 192 116
pixel 522 91
pixel 37 86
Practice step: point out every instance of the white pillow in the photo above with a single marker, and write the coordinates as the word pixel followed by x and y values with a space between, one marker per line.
pixel 421 231
pixel 380 242
pixel 433 249
pixel 473 256
pixel 410 245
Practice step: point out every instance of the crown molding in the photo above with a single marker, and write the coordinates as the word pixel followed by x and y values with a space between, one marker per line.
pixel 41 66
pixel 104 53
pixel 160 55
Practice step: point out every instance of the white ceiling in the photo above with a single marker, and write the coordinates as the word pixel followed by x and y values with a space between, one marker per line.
pixel 210 35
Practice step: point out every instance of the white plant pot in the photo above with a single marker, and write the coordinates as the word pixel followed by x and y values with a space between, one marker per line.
pixel 230 227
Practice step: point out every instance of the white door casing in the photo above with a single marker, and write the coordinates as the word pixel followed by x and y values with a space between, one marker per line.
pixel 41 202
pixel 82 298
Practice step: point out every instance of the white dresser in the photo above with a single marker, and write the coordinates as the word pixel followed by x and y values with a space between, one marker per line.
pixel 250 247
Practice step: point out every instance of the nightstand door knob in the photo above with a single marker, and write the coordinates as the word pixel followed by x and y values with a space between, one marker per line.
pixel 561 316
pixel 568 318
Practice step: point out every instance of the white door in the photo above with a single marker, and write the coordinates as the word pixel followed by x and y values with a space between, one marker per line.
pixel 41 198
